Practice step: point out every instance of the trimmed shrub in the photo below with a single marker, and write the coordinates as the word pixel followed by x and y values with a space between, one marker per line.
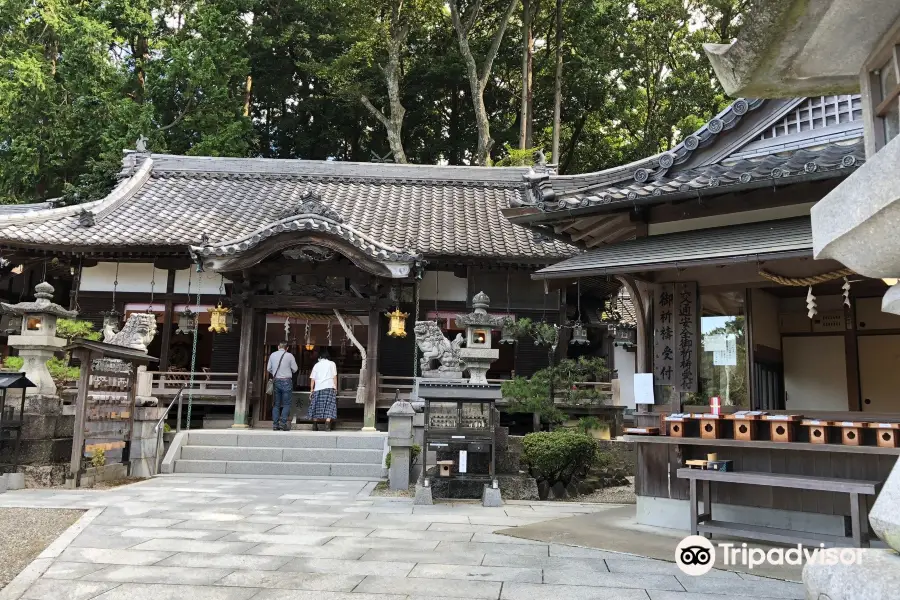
pixel 414 451
pixel 557 456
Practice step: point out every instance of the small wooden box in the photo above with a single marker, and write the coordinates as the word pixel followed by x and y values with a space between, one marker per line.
pixel 710 426
pixel 446 467
pixel 886 434
pixel 745 425
pixel 851 432
pixel 818 430
pixel 782 427
pixel 675 426
pixel 642 430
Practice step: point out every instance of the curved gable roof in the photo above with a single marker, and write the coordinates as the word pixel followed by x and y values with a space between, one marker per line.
pixel 172 202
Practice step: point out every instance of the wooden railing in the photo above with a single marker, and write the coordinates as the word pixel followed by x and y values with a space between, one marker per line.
pixel 388 386
pixel 220 386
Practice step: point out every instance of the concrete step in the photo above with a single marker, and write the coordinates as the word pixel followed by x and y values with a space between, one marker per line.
pixel 306 469
pixel 304 455
pixel 348 440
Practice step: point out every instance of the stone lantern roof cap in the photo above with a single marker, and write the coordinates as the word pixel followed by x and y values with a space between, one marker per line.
pixel 480 317
pixel 43 293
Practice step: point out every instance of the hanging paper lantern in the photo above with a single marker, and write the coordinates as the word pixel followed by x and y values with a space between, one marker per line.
pixel 218 322
pixel 397 327
pixel 187 321
pixel 579 334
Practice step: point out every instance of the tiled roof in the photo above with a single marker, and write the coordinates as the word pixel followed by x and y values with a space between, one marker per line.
pixel 814 162
pixel 175 202
pixel 717 245
pixel 670 175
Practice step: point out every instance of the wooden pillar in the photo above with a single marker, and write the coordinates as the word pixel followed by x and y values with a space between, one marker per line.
pixel 372 370
pixel 245 358
pixel 166 339
pixel 84 380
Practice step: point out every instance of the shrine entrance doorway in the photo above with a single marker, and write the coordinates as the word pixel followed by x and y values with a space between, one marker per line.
pixel 306 333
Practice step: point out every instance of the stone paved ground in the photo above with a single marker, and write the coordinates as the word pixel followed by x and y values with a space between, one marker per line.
pixel 196 538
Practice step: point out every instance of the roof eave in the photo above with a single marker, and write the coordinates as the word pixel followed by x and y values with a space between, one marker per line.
pixel 662 266
pixel 528 216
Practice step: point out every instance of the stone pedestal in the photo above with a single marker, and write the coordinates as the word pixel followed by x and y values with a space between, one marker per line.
pixel 490 497
pixel 146 444
pixel 477 362
pixel 400 440
pixel 423 496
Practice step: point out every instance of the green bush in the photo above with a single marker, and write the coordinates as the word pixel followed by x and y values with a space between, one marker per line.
pixel 71 329
pixel 557 456
pixel 414 451
pixel 13 363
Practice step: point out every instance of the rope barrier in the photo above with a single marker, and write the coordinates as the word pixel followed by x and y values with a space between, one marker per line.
pixel 806 281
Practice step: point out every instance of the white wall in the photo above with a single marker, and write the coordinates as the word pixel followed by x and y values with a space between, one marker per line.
pixel 815 373
pixel 624 362
pixel 764 319
pixel 443 284
pixel 136 277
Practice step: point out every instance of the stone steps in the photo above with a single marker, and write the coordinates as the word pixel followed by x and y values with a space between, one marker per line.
pixel 277 453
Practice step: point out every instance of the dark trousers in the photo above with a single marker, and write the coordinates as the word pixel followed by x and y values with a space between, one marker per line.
pixel 281 407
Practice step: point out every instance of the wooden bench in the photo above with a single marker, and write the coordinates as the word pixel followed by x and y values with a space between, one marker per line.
pixel 704 523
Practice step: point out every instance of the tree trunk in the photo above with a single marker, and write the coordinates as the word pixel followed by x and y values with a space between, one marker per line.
pixel 478 79
pixel 529 113
pixel 536 421
pixel 247 95
pixel 391 70
pixel 557 84
pixel 526 41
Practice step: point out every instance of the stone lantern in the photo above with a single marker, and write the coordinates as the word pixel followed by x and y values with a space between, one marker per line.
pixel 478 354
pixel 37 340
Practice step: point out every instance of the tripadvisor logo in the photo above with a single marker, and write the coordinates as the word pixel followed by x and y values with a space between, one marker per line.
pixel 696 555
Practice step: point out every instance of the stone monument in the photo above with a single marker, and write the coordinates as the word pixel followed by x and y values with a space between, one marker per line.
pixel 440 356
pixel 37 342
pixel 478 354
pixel 46 430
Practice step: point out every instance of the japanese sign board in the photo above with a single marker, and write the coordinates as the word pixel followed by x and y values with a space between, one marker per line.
pixel 676 319
pixel 664 318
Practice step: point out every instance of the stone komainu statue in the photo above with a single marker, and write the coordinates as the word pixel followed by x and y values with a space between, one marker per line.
pixel 138 332
pixel 435 347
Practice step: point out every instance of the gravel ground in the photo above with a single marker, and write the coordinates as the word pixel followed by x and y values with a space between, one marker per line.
pixel 25 532
pixel 612 495
pixel 382 489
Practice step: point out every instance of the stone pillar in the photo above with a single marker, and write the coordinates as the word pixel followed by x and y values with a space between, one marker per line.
pixel 245 359
pixel 400 440
pixel 146 444
pixel 372 370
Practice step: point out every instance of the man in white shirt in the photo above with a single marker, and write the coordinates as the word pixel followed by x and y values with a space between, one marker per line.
pixel 323 389
pixel 282 367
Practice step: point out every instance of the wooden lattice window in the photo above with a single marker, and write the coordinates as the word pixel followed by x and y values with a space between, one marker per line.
pixel 816 113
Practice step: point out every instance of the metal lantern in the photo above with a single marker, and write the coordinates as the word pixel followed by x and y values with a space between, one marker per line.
pixel 218 322
pixel 507 333
pixel 11 324
pixel 579 334
pixel 397 327
pixel 625 334
pixel 187 321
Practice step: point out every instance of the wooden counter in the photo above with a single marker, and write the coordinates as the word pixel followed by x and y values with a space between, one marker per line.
pixel 659 458
pixel 788 446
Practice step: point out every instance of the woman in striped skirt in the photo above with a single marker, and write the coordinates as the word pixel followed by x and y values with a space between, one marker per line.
pixel 323 385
